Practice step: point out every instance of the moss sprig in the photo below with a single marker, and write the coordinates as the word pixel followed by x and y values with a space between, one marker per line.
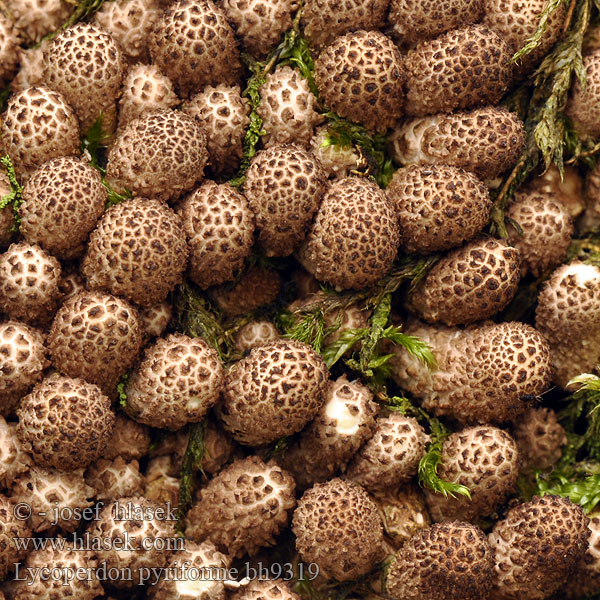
pixel 15 197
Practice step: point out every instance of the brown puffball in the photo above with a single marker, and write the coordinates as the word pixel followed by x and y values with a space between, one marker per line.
pixel 9 42
pixel 584 100
pixel 13 530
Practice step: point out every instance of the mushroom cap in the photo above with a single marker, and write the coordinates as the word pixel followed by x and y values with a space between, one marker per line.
pixel 540 438
pixel 219 228
pixel 194 45
pixel 29 283
pixel 284 186
pixel 12 530
pixel 416 20
pixel 274 391
pixel 484 372
pixel 13 458
pixel 36 126
pixel 208 560
pixel 62 202
pixel 159 485
pixel 582 101
pixel 323 21
pixel 485 459
pixel 243 507
pixel 223 115
pixel 159 155
pixel 155 319
pixel 255 288
pixel 546 227
pixel 337 161
pixel 391 456
pixel 178 380
pixel 130 440
pixel 138 251
pixel 568 315
pixel 48 490
pixel 438 206
pixel 517 20
pixel 447 561
pixel 345 421
pixel 96 337
pixel 354 237
pixel 360 76
pixel 288 108
pixel 86 65
pixel 145 89
pixel 486 141
pixel 255 333
pixel 35 19
pixel 537 546
pixel 152 536
pixel 114 479
pixel 67 563
pixel 7 216
pixel 259 24
pixel 65 423
pixel 22 362
pixel 269 589
pixel 129 22
pixel 31 68
pixel 469 284
pixel 337 526
pixel 9 43
pixel 461 69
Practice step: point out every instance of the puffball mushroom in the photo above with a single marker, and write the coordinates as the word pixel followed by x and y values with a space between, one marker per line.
pixel 338 161
pixel 36 126
pixel 438 206
pixel 62 202
pixel 138 251
pixel 354 237
pixel 7 216
pixel 35 19
pixel 461 69
pixel 484 372
pixel 95 336
pixel 582 100
pixel 243 507
pixel 13 459
pixel 337 526
pixel 23 358
pixel 177 381
pixel 29 283
pixel 86 65
pixel 12 531
pixel 284 186
pixel 447 561
pixel 194 45
pixel 270 589
pixel 485 459
pixel 469 284
pixel 486 141
pixel 9 42
pixel 545 234
pixel 391 456
pixel 537 546
pixel 219 227
pixel 132 542
pixel 288 108
pixel 345 421
pixel 65 423
pixel 568 305
pixel 255 333
pixel 130 440
pixel 155 319
pixel 114 479
pixel 360 76
pixel 159 155
pixel 274 391
pixel 223 115
pixel 416 20
pixel 259 24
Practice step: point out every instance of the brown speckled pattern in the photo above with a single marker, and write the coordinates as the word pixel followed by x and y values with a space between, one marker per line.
pixel 9 42
pixel 582 102
pixel 11 530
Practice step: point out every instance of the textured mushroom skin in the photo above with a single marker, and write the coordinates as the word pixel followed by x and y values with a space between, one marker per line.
pixel 12 530
pixel 447 561
pixel 582 101
pixel 537 546
pixel 130 440
pixel 9 42
pixel 484 372
pixel 354 237
pixel 255 333
pixel 244 507
pixel 270 589
pixel 274 391
pixel 337 526
pixel 486 141
pixel 360 77
pixel 13 459
pixel 461 69
pixel 469 284
pixel 486 461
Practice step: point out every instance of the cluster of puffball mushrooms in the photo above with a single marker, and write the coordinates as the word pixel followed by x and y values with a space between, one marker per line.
pixel 86 303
